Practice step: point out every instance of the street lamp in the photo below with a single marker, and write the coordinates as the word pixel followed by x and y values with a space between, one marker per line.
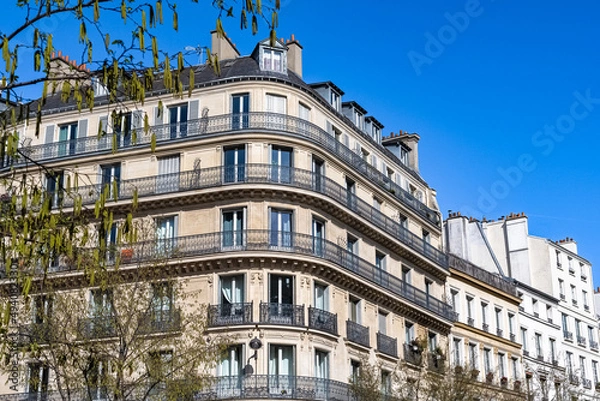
pixel 255 344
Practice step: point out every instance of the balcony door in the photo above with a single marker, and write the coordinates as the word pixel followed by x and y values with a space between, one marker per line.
pixel 281 369
pixel 233 228
pixel 276 112
pixel 67 137
pixel 234 162
pixel 281 299
pixel 321 373
pixel 111 179
pixel 281 228
pixel 229 371
pixel 165 234
pixel 318 234
pixel 318 172
pixel 178 117
pixel 37 381
pixel 123 126
pixel 281 164
pixel 232 300
pixel 240 107
pixel 168 174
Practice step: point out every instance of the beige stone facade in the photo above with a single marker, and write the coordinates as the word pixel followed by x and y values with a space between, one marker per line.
pixel 299 224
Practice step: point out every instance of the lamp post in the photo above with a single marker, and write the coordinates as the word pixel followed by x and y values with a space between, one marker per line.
pixel 255 344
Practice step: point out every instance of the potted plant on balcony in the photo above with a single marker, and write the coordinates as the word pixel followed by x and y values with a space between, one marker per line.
pixel 458 370
pixel 517 385
pixel 126 255
pixel 503 381
pixel 418 345
pixel 489 377
pixel 474 374
pixel 438 353
pixel 598 386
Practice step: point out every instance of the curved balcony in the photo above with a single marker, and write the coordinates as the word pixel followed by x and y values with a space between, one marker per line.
pixel 266 240
pixel 264 174
pixel 228 123
pixel 230 314
pixel 284 387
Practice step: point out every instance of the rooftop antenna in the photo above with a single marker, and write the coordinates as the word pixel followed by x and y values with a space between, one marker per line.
pixel 199 50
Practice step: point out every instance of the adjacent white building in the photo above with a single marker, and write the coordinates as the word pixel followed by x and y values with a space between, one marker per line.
pixel 557 324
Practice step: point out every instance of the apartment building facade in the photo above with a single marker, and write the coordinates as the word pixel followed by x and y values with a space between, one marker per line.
pixel 314 241
pixel 557 326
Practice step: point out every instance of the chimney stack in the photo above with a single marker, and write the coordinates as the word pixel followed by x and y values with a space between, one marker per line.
pixel 294 56
pixel 223 47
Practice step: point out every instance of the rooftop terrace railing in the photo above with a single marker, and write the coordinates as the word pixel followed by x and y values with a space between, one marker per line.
pixel 228 123
pixel 480 274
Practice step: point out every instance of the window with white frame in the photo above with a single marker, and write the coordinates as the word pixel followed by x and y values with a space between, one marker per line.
pixel 457 351
pixel 273 60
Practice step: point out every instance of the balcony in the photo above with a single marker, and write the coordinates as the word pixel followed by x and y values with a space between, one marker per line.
pixel 436 363
pixel 301 244
pixel 160 322
pixel 587 383
pixel 38 333
pixel 471 321
pixel 485 327
pixel 568 336
pixel 593 345
pixel 481 274
pixel 357 333
pixel 97 327
pixel 586 307
pixel 499 332
pixel 281 387
pixel 189 181
pixel 513 337
pixel 563 297
pixel 525 352
pixel 230 314
pixel 387 345
pixel 581 341
pixel 322 320
pixel 574 379
pixel 413 354
pixel 282 314
pixel 540 357
pixel 281 124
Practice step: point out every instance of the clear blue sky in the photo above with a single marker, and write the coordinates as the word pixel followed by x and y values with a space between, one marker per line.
pixel 505 96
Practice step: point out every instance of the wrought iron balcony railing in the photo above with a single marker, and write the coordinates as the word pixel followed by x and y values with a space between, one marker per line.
pixel 587 383
pixel 40 333
pixel 97 327
pixel 593 344
pixel 284 387
pixel 357 333
pixel 413 354
pixel 568 335
pixel 286 314
pixel 261 174
pixel 436 363
pixel 387 345
pixel 581 341
pixel 322 320
pixel 266 240
pixel 228 123
pixel 230 314
pixel 160 321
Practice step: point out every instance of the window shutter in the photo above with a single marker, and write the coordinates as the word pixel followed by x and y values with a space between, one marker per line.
pixel 193 110
pixel 49 134
pixel 158 116
pixel 82 129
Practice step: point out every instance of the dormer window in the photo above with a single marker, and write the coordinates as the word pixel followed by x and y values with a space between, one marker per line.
pixel 335 100
pixel 273 60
